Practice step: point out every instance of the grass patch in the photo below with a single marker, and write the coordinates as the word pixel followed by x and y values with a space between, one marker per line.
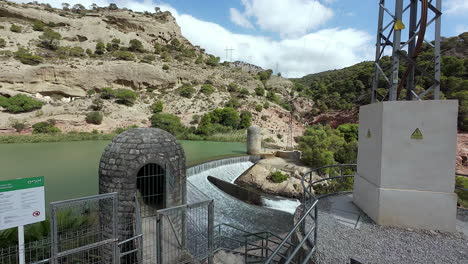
pixel 278 177
pixel 234 136
pixel 462 182
pixel 61 137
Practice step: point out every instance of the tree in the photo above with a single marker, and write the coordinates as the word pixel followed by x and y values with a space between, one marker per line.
pixel 245 120
pixel 50 39
pixel 136 46
pixel 100 48
pixel 113 6
pixel 78 8
pixel 66 6
pixel 167 122
pixel 157 107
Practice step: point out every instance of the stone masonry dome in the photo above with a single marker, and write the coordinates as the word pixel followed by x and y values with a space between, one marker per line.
pixel 147 163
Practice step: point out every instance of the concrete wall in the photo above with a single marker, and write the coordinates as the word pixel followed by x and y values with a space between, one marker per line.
pixel 254 140
pixel 404 181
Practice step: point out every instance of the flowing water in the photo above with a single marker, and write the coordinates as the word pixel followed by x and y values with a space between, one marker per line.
pixel 228 209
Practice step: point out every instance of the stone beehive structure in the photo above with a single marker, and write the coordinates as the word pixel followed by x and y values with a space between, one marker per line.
pixel 143 162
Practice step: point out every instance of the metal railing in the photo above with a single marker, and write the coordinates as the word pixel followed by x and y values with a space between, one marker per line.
pixel 290 252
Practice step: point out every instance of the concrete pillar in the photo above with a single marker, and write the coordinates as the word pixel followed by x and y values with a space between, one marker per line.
pixel 254 140
pixel 406 164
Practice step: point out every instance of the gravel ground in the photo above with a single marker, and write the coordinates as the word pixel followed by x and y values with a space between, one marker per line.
pixel 371 243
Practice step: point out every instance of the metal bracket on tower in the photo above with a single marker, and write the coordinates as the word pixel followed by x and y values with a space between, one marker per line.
pixel 388 76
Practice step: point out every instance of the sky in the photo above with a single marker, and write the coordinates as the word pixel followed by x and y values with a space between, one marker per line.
pixel 294 37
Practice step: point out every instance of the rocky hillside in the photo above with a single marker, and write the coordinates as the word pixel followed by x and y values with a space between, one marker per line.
pixel 67 58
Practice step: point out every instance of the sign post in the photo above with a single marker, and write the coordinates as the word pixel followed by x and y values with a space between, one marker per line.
pixel 22 202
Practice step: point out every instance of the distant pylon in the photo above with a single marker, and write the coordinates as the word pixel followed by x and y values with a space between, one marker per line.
pixel 229 53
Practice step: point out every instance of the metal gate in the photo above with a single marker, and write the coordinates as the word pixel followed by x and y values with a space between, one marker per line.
pixel 185 233
pixel 84 230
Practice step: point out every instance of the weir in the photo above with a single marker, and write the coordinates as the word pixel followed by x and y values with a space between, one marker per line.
pixel 228 209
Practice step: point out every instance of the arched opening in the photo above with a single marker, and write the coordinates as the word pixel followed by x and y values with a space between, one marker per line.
pixel 151 188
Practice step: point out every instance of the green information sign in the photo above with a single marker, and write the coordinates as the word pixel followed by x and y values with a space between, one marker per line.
pixel 19 184
pixel 22 202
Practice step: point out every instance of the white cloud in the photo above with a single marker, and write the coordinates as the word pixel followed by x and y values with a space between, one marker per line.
pixel 456 7
pixel 291 18
pixel 325 49
pixel 239 19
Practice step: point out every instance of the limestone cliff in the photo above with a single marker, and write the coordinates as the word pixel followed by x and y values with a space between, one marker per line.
pixel 66 82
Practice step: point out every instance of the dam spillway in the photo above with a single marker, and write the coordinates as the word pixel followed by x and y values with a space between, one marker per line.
pixel 228 209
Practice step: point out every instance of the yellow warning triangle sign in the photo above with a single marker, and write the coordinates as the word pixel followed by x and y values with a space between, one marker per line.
pixel 417 134
pixel 368 134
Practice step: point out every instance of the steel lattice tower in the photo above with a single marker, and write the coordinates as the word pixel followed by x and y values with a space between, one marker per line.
pixel 391 26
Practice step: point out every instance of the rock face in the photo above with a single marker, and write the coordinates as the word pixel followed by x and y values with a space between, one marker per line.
pixel 67 83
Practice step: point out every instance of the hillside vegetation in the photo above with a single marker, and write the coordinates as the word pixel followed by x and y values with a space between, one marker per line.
pixel 350 87
pixel 106 68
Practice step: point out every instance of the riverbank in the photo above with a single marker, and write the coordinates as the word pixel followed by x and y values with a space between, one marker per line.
pixel 235 136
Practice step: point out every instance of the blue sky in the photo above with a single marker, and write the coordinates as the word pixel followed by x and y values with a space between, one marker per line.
pixel 295 37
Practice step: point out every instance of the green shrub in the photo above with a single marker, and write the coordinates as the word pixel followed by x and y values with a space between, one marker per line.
pixel 165 67
pixel 38 25
pixel 207 89
pixel 167 122
pixel 148 58
pixel 265 75
pixel 50 39
pixel 212 61
pixel 278 177
pixel 100 48
pixel 266 105
pixel 166 57
pixel 107 93
pixel 260 91
pixel 158 48
pixel 125 97
pixel 20 103
pixel 258 108
pixel 233 103
pixel 16 28
pixel 94 118
pixel 462 182
pixel 232 88
pixel 77 52
pixel 199 60
pixel 18 125
pixel 136 46
pixel 187 91
pixel 244 92
pixel 124 55
pixel 2 43
pixel 264 118
pixel 97 105
pixel 157 107
pixel 45 128
pixel 25 57
pixel 220 120
pixel 245 120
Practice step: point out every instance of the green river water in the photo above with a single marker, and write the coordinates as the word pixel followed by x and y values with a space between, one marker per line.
pixel 71 168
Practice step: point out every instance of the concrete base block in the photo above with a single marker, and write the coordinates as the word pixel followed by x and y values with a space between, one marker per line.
pixel 406 163
pixel 407 208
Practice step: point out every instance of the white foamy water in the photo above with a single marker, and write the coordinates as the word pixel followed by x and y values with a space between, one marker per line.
pixel 282 204
pixel 231 210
